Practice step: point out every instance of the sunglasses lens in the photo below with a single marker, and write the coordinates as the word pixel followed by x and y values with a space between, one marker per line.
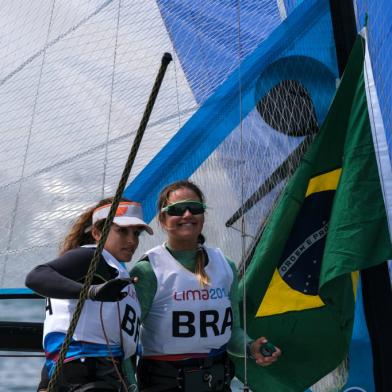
pixel 178 209
pixel 196 209
pixel 175 210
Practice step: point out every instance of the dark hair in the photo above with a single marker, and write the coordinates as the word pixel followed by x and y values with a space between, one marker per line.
pixel 81 231
pixel 163 200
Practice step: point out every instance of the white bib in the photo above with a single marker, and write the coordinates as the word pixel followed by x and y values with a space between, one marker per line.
pixel 185 317
pixel 118 318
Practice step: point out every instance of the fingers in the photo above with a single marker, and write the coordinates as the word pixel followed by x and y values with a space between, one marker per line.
pixel 134 279
pixel 124 282
pixel 266 361
pixel 271 352
pixel 261 340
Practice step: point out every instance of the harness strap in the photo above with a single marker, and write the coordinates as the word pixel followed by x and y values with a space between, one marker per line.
pixel 91 386
pixel 196 374
pixel 94 386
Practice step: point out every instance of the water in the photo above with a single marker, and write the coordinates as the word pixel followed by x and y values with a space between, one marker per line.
pixel 22 374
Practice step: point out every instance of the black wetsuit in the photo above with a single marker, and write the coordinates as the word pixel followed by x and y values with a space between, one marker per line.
pixel 63 278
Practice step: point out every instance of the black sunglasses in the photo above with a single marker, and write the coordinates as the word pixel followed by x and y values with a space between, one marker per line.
pixel 178 209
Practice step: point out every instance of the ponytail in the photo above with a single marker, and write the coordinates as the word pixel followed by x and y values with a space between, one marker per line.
pixel 200 272
pixel 81 231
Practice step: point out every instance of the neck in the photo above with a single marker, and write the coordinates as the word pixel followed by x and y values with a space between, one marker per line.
pixel 182 245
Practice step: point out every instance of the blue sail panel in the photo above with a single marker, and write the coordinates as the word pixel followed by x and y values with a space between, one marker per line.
pixel 220 113
pixel 360 355
pixel 206 36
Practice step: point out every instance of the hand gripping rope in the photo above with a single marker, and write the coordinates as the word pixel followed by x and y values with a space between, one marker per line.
pixel 105 231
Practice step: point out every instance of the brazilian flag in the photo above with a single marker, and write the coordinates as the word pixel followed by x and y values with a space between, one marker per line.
pixel 329 223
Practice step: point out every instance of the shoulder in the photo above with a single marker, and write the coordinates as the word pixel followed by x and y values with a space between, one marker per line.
pixel 232 265
pixel 73 258
pixel 219 251
pixel 155 250
pixel 80 255
pixel 81 252
pixel 80 259
pixel 142 267
pixel 145 274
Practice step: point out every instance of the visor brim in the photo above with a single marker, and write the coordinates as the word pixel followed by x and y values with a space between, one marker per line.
pixel 132 221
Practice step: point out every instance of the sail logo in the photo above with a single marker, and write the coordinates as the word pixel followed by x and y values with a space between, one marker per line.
pixel 200 295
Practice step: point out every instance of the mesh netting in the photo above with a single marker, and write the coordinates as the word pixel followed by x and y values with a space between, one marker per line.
pixel 255 160
pixel 74 80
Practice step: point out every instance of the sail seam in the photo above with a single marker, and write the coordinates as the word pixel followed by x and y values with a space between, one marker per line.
pixel 94 149
pixel 51 43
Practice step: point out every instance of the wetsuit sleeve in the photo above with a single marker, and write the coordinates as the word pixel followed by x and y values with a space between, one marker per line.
pixel 146 285
pixel 61 277
pixel 236 343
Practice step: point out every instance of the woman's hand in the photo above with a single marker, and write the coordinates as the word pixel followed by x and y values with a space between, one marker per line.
pixel 259 357
pixel 110 291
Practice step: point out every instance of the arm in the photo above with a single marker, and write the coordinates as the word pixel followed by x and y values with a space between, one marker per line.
pixel 46 281
pixel 235 346
pixel 236 343
pixel 146 285
pixel 63 277
pixel 130 375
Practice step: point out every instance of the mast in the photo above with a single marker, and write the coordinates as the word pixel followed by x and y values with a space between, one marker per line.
pixel 344 30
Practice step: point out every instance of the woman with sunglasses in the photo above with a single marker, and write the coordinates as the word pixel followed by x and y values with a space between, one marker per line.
pixel 108 328
pixel 190 315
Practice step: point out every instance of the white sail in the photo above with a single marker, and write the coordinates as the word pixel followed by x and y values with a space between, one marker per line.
pixel 75 77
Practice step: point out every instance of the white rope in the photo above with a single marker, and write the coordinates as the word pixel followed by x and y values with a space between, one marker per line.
pixel 176 83
pixel 282 9
pixel 242 174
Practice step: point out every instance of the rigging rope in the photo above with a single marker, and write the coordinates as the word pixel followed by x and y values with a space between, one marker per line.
pixel 105 231
pixel 283 171
pixel 243 232
pixel 105 160
pixel 177 93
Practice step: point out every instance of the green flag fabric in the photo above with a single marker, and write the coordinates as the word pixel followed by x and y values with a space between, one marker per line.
pixel 329 223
